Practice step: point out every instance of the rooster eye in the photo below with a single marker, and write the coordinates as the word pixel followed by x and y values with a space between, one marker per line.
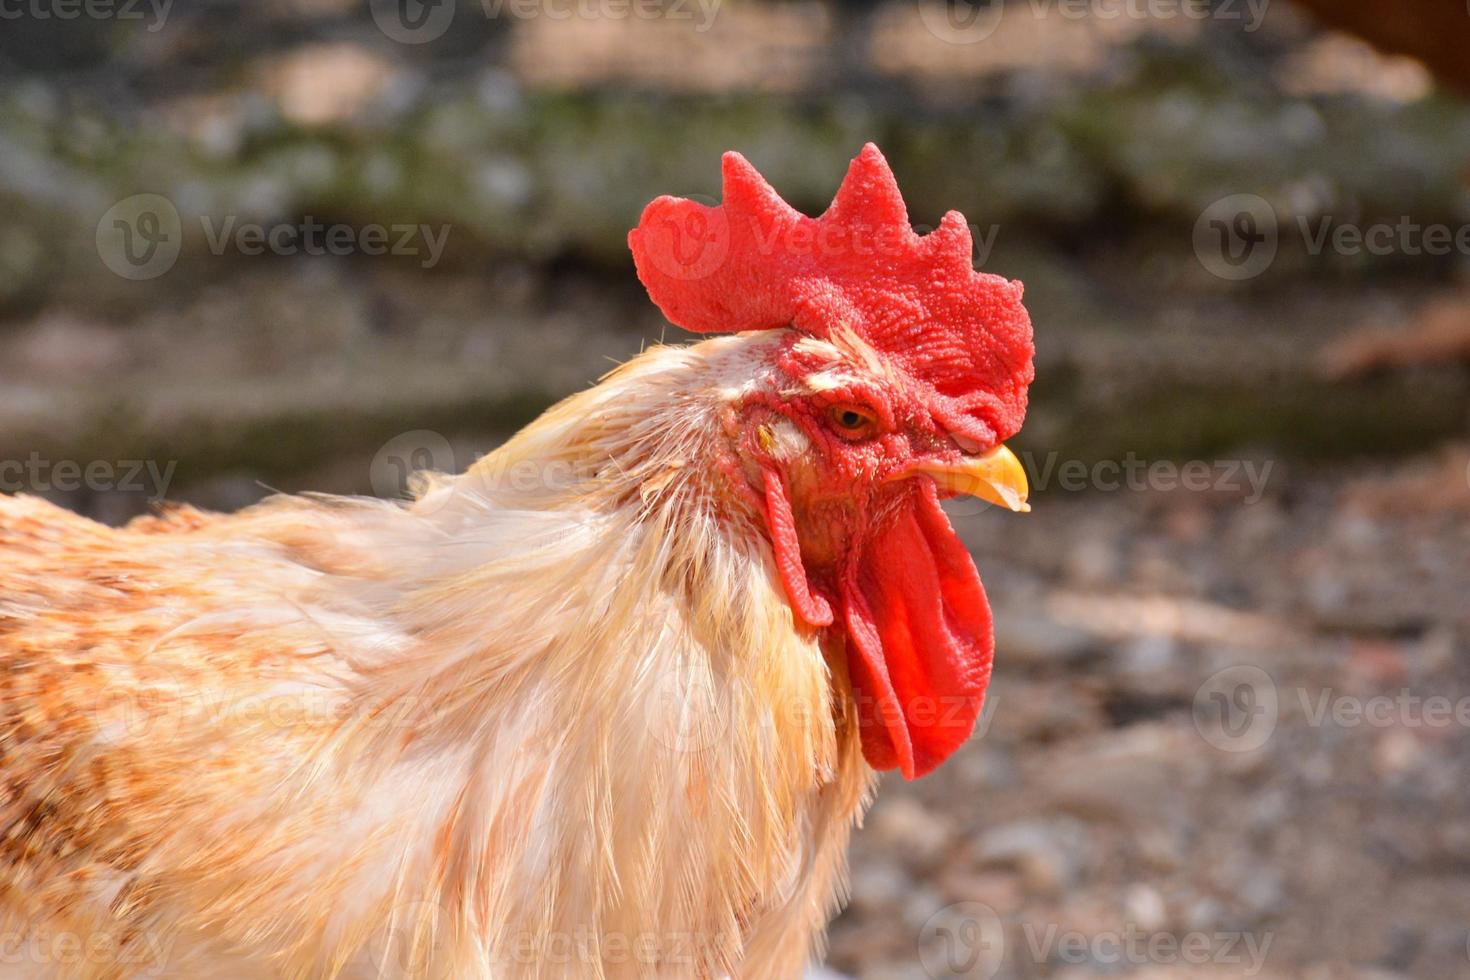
pixel 851 421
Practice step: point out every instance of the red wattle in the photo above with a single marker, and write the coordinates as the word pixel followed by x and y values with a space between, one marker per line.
pixel 920 629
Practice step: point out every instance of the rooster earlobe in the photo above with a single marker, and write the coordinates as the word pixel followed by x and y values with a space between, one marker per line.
pixel 869 195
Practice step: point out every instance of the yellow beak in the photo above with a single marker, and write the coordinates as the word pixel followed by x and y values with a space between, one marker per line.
pixel 997 477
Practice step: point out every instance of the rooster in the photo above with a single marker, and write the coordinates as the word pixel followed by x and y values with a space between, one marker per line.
pixel 607 704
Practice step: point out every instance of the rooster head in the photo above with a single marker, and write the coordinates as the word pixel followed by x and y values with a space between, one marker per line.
pixel 892 373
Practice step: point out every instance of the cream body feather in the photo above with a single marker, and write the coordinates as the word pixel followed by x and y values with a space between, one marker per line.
pixel 552 719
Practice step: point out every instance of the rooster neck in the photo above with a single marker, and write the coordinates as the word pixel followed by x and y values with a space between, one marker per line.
pixel 636 737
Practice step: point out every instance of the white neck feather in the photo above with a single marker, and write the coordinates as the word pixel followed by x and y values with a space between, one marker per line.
pixel 623 749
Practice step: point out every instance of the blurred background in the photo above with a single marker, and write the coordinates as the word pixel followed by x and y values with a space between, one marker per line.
pixel 312 244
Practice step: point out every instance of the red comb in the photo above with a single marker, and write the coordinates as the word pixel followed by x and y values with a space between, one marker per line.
pixel 754 263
